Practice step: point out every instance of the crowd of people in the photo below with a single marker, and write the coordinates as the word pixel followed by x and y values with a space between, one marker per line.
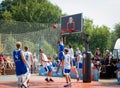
pixel 106 65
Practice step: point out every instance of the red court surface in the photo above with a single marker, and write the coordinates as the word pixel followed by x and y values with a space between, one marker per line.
pixel 10 81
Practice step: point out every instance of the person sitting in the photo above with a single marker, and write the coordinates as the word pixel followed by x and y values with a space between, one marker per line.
pixel 2 64
pixel 9 62
pixel 98 54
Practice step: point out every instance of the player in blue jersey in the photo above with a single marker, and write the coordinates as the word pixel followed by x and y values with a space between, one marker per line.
pixel 21 65
pixel 60 54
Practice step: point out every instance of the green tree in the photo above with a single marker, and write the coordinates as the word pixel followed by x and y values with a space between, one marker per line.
pixel 7 15
pixel 48 49
pixel 100 38
pixel 16 12
pixel 32 46
pixel 117 30
pixel 115 34
pixel 32 11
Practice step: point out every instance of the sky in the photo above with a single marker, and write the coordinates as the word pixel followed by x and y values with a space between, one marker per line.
pixel 102 12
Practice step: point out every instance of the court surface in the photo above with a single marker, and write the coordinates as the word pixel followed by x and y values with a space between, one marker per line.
pixel 10 81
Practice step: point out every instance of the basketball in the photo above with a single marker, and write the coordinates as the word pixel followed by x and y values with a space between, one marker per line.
pixel 54 26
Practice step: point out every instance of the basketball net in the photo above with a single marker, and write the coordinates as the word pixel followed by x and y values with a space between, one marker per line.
pixel 70 31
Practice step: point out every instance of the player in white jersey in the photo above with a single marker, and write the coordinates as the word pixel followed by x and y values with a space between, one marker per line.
pixel 67 67
pixel 29 59
pixel 45 62
pixel 71 52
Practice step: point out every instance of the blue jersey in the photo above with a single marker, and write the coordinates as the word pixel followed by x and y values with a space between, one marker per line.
pixel 61 47
pixel 118 65
pixel 20 65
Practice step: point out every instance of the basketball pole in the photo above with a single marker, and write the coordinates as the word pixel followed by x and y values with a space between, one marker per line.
pixel 86 59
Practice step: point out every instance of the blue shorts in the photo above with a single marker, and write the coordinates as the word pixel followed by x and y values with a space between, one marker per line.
pixel 66 71
pixel 60 56
pixel 80 65
pixel 48 68
pixel 74 62
pixel 54 64
pixel 21 71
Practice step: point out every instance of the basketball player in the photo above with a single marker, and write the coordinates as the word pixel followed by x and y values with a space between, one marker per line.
pixel 29 59
pixel 67 68
pixel 21 65
pixel 71 53
pixel 46 65
pixel 60 55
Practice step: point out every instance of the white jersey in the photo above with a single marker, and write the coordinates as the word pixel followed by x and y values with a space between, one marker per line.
pixel 36 63
pixel 71 52
pixel 77 52
pixel 27 55
pixel 92 65
pixel 67 64
pixel 80 59
pixel 44 60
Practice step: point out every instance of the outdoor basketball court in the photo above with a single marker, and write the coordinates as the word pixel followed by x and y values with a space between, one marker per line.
pixel 10 81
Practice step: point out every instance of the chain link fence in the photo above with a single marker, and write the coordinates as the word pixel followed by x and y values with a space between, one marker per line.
pixel 33 35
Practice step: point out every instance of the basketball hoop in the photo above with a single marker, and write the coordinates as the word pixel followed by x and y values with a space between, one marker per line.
pixel 70 31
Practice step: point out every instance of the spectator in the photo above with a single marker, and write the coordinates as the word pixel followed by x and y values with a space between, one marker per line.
pixel 83 50
pixel 2 66
pixel 9 62
pixel 36 64
pixel 108 57
pixel 118 65
pixel 77 51
pixel 98 54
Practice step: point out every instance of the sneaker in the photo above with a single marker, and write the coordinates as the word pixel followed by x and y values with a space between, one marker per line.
pixel 78 79
pixel 51 80
pixel 28 84
pixel 25 85
pixel 19 85
pixel 69 83
pixel 66 85
pixel 46 80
